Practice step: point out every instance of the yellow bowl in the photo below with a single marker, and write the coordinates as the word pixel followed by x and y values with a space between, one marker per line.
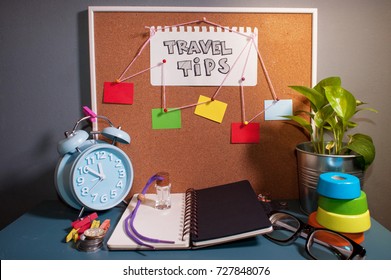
pixel 357 237
pixel 343 223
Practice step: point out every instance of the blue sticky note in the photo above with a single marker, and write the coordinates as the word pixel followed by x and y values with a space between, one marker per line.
pixel 274 110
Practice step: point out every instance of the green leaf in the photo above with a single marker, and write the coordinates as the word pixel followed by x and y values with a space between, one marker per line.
pixel 323 115
pixel 363 145
pixel 311 115
pixel 332 122
pixel 302 122
pixel 330 81
pixel 360 136
pixel 342 101
pixel 351 124
pixel 317 99
pixel 368 109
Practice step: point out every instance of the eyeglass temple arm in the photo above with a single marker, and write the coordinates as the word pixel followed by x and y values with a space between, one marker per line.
pixel 337 250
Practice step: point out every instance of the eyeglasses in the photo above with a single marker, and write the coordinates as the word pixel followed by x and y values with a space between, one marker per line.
pixel 321 244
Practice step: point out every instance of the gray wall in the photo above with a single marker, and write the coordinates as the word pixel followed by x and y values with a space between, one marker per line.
pixel 44 81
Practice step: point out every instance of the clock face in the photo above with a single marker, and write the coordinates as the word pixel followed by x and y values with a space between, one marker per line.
pixel 101 177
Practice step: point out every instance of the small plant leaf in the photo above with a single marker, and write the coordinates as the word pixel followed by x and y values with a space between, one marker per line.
pixel 317 99
pixel 302 122
pixel 329 146
pixel 368 109
pixel 342 101
pixel 351 124
pixel 323 115
pixel 330 81
pixel 363 145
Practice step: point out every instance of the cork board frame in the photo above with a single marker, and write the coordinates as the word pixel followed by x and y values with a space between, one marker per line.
pixel 199 154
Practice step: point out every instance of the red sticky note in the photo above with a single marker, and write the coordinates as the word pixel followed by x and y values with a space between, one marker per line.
pixel 120 93
pixel 245 134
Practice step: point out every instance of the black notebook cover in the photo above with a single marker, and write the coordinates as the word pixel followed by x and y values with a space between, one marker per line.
pixel 228 212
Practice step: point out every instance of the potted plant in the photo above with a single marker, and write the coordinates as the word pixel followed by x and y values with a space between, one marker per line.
pixel 331 148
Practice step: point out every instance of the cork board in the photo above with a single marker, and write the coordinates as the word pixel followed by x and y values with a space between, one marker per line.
pixel 200 153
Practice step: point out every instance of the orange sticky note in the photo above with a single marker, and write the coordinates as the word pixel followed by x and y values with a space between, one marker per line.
pixel 213 110
pixel 245 134
pixel 120 93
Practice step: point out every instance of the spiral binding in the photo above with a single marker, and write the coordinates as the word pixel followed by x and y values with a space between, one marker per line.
pixel 190 225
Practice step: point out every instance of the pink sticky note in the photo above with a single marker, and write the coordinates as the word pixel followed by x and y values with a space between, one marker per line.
pixel 120 93
pixel 245 134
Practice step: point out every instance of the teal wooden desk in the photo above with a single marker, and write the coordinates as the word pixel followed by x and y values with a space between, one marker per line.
pixel 40 233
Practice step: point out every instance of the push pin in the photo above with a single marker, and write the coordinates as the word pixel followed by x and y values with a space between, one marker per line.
pixel 243 124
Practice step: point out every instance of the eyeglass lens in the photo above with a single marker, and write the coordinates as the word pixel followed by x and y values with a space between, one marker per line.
pixel 284 227
pixel 327 245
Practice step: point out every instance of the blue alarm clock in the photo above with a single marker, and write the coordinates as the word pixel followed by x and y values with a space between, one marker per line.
pixel 93 174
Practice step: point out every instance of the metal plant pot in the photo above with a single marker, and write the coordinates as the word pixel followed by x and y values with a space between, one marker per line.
pixel 311 165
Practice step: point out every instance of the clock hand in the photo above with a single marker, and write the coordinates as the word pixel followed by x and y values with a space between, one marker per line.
pixel 100 169
pixel 93 172
pixel 100 180
pixel 101 175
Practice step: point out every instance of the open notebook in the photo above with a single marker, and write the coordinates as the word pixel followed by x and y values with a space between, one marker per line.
pixel 196 218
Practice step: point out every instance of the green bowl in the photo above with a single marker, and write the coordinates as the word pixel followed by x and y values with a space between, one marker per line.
pixel 354 206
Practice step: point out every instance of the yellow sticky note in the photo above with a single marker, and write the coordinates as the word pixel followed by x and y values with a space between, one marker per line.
pixel 213 110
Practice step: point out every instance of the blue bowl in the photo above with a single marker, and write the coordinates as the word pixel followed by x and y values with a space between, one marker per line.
pixel 339 185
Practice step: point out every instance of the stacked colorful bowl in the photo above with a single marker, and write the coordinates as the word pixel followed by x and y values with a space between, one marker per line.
pixel 342 205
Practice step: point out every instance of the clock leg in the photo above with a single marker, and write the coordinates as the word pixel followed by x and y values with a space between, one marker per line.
pixel 81 213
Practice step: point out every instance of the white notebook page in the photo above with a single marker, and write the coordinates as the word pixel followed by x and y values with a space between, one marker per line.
pixel 160 224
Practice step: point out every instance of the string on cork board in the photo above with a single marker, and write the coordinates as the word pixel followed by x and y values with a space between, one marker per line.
pixel 202 91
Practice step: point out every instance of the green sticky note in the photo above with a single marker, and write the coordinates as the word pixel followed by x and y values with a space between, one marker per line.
pixel 166 120
pixel 213 110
